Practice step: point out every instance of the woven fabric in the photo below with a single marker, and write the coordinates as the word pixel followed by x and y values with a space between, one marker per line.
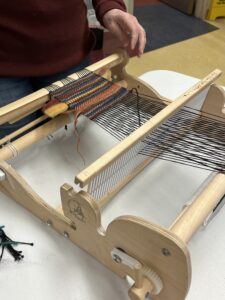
pixel 90 95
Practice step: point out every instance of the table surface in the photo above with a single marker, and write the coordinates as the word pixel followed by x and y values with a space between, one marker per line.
pixel 54 268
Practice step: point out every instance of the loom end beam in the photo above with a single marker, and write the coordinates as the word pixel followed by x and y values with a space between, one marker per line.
pixel 119 58
pixel 194 215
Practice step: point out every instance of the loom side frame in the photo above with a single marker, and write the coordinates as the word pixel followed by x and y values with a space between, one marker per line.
pixel 80 216
pixel 81 222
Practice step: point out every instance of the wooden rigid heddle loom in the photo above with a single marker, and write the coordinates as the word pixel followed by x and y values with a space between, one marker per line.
pixel 148 126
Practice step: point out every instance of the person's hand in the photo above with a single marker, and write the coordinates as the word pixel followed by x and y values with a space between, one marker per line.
pixel 127 29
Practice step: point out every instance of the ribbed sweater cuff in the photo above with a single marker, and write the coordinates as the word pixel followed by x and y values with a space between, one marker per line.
pixel 106 6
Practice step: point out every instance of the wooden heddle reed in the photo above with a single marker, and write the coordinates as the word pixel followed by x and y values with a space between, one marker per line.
pixel 156 258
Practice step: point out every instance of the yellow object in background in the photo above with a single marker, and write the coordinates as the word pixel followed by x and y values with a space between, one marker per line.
pixel 217 9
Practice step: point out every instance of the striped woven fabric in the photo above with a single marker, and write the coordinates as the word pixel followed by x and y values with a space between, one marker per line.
pixel 90 95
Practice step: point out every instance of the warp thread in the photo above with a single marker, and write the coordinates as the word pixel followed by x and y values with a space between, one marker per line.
pixel 90 94
pixel 187 137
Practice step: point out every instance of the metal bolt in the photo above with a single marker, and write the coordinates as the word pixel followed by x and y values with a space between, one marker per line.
pixel 166 252
pixel 114 78
pixel 116 258
pixel 49 223
pixel 2 175
pixel 66 234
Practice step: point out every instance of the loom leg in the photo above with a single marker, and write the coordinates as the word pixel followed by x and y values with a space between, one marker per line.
pixel 140 293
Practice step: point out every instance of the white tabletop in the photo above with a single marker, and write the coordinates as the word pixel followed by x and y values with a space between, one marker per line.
pixel 55 269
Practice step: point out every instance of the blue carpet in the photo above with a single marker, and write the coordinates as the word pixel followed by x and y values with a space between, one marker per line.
pixel 165 25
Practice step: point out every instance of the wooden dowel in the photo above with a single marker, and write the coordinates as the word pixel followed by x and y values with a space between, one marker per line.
pixel 13 149
pixel 85 176
pixel 193 216
pixel 22 130
pixel 109 62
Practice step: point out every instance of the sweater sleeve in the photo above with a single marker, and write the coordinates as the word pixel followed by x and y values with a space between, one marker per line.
pixel 102 6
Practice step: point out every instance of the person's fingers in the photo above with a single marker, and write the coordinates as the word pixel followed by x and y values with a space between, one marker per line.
pixel 127 29
pixel 117 31
pixel 136 32
pixel 141 41
pixel 134 39
pixel 129 25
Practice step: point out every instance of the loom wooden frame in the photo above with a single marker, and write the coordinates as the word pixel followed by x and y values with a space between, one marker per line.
pixel 153 247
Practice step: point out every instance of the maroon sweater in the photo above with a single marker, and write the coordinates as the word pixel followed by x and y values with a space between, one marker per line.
pixel 41 37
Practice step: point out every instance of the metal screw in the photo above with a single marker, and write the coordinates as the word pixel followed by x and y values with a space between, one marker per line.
pixel 49 223
pixel 66 234
pixel 114 78
pixel 166 252
pixel 116 258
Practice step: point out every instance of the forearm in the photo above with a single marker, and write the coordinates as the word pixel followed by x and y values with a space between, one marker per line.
pixel 103 6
